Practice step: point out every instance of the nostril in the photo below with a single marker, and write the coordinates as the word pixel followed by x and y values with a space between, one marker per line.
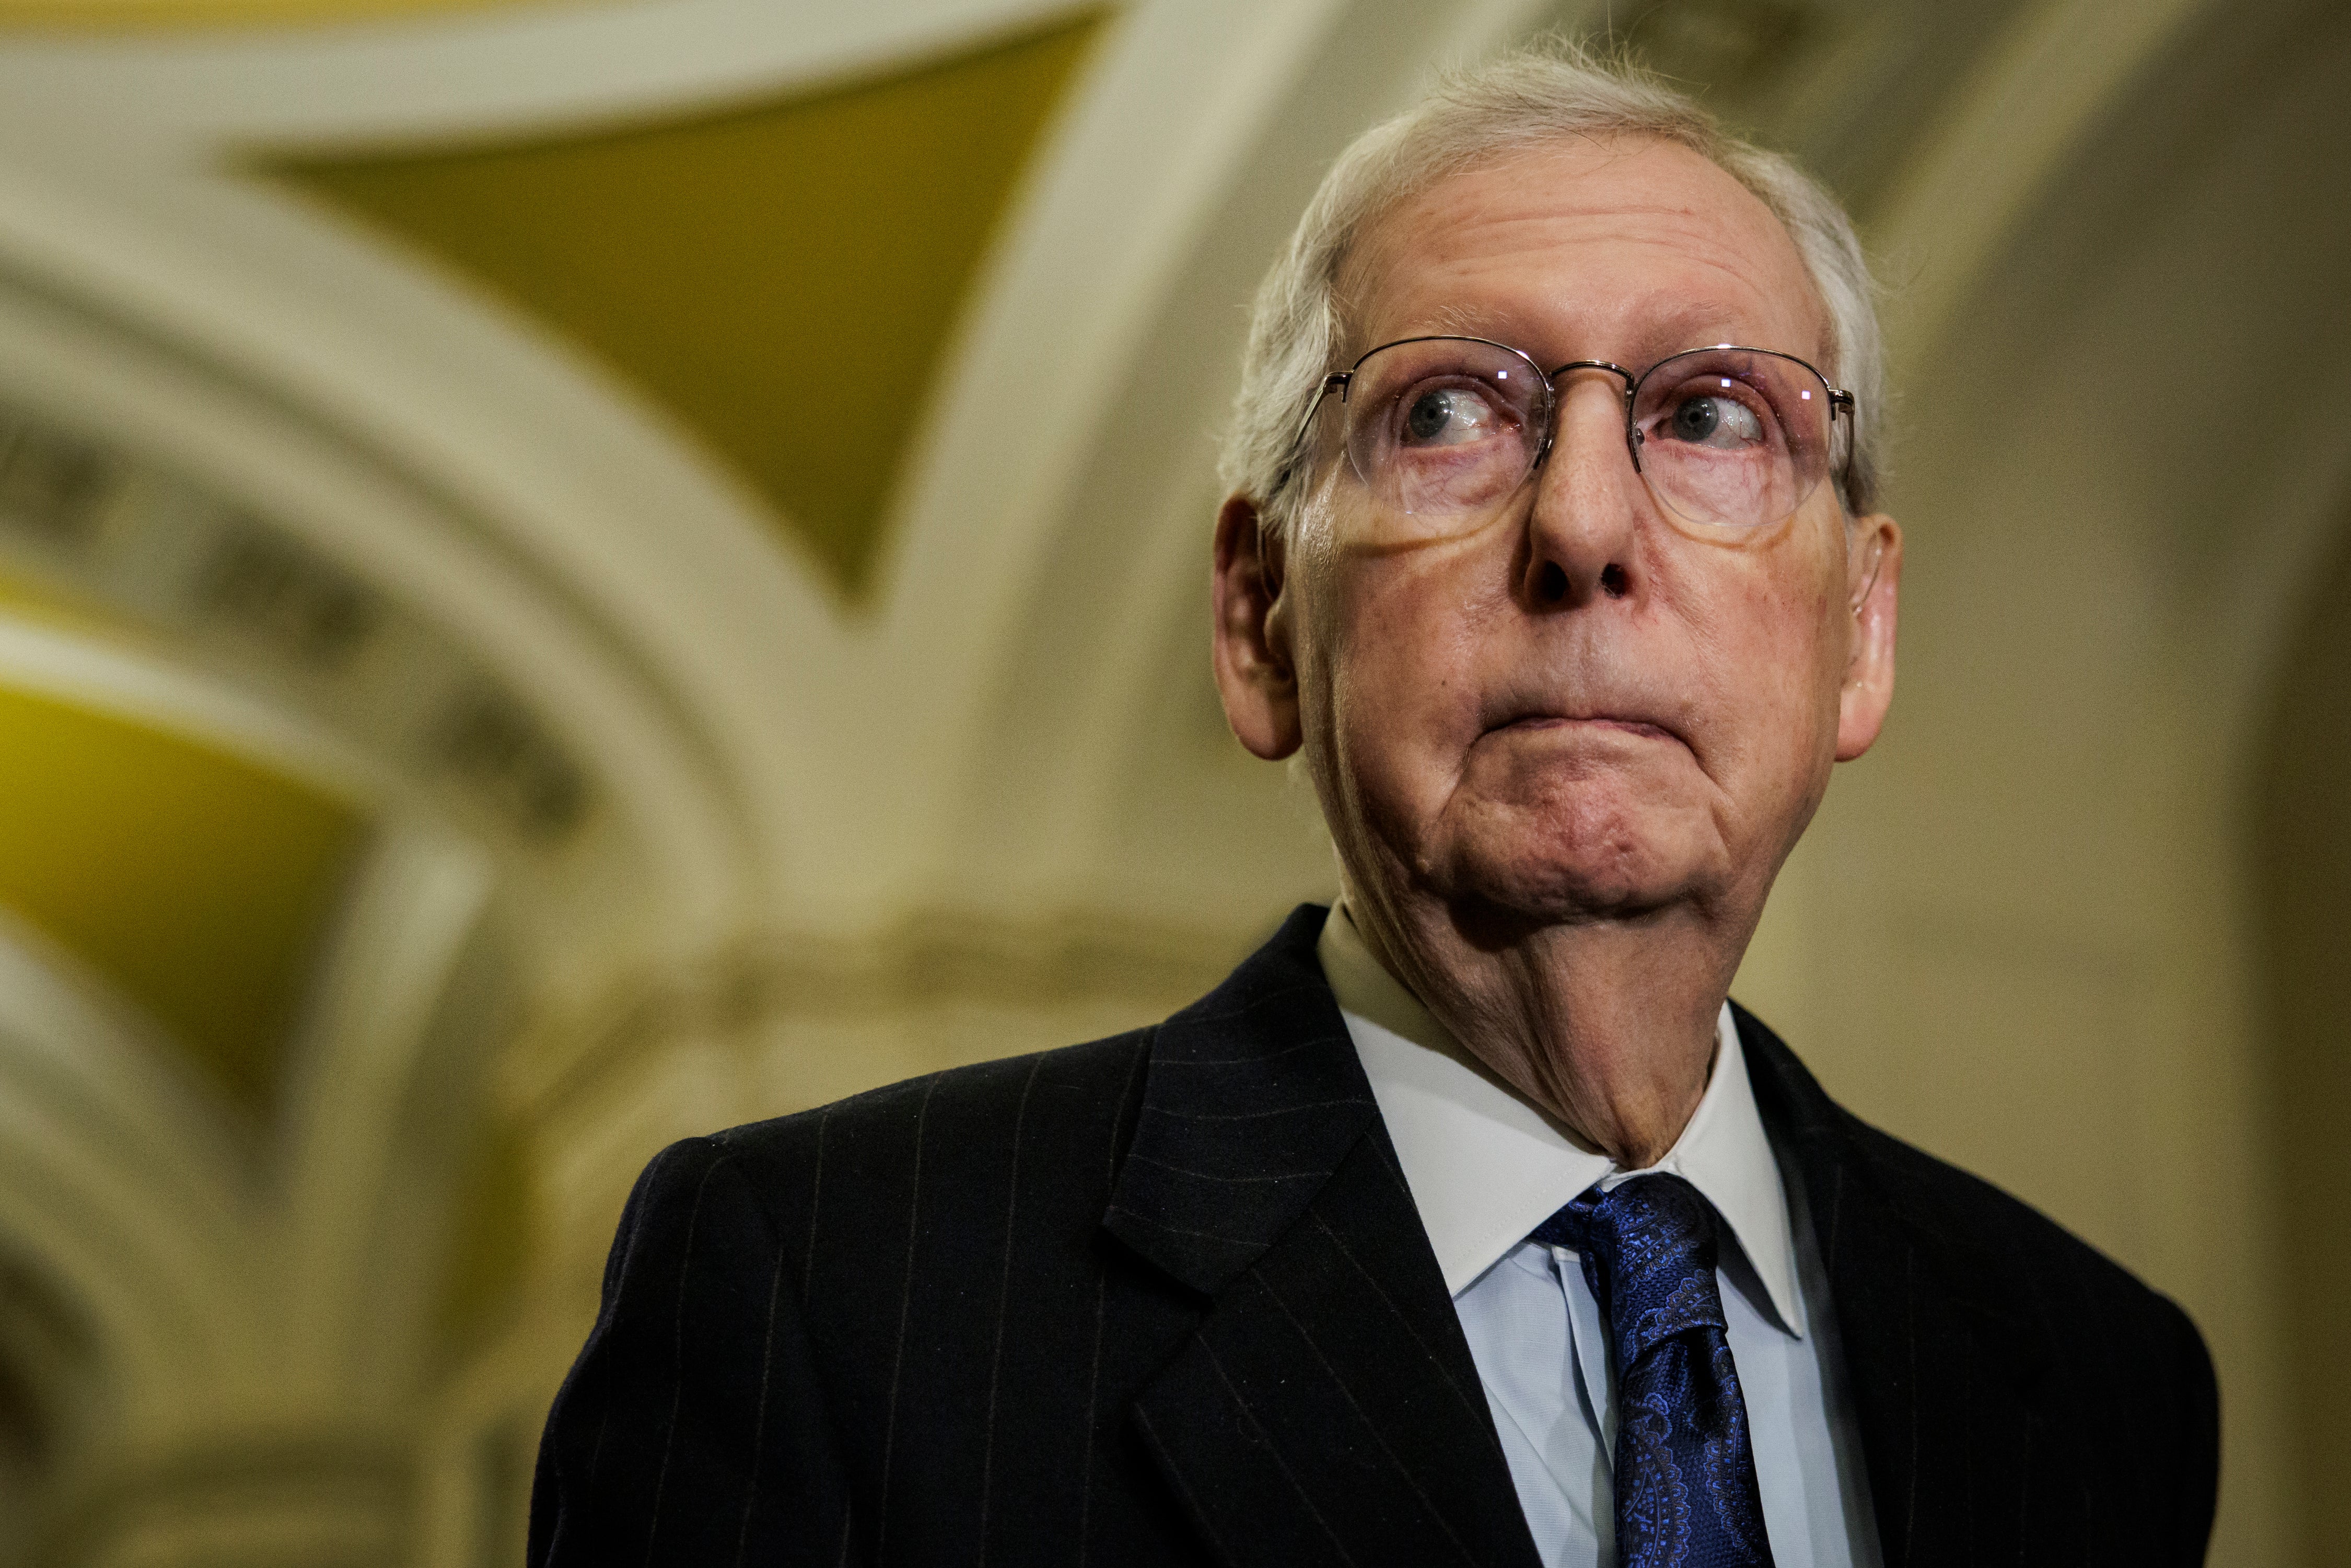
pixel 1611 580
pixel 1551 583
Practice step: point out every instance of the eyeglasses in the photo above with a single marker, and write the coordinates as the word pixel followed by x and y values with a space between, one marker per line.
pixel 1444 430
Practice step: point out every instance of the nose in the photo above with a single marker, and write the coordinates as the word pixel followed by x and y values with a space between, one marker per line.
pixel 1583 523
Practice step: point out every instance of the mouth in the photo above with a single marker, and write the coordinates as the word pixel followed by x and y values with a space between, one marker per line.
pixel 1542 721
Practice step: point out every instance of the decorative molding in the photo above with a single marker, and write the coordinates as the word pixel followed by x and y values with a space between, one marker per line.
pixel 928 960
pixel 90 519
pixel 368 595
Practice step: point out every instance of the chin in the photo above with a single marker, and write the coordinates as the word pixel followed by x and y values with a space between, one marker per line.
pixel 1586 858
pixel 1523 884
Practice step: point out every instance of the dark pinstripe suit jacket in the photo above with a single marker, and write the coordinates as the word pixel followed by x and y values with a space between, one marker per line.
pixel 1165 1298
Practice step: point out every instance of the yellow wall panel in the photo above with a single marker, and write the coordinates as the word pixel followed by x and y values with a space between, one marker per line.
pixel 783 280
pixel 197 883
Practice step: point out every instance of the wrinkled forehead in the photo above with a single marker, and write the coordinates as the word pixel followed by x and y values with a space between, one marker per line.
pixel 1584 247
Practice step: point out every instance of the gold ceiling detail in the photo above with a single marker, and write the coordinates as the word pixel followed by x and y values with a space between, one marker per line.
pixel 782 280
pixel 197 883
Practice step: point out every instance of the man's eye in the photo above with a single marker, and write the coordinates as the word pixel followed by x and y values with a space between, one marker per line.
pixel 1714 420
pixel 1447 417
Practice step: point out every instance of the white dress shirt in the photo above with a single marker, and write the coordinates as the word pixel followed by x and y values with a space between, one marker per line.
pixel 1486 1167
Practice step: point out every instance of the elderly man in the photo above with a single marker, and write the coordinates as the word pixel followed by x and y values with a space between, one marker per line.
pixel 1467 1222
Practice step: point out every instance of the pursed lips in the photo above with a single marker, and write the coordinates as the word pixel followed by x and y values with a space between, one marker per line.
pixel 1619 723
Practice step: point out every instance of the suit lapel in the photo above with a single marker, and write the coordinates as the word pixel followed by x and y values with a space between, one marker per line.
pixel 1327 1410
pixel 1940 1371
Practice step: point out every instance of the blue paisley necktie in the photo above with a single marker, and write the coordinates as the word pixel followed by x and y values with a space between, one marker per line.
pixel 1684 1473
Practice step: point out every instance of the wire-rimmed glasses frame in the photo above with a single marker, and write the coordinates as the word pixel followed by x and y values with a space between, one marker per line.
pixel 1740 440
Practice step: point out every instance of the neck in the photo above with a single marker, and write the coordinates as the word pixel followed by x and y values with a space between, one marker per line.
pixel 1608 1025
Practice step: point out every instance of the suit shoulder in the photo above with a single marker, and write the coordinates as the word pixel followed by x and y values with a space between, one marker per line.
pixel 1990 1233
pixel 1103 1075
pixel 1981 1220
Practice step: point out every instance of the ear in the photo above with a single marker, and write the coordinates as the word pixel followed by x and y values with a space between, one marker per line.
pixel 1255 673
pixel 1877 581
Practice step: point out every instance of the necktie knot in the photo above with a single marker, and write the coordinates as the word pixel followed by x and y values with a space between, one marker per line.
pixel 1649 1251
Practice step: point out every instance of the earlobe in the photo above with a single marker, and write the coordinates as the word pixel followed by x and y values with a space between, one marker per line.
pixel 1868 688
pixel 1251 650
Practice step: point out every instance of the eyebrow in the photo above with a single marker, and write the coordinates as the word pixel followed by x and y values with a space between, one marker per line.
pixel 1679 326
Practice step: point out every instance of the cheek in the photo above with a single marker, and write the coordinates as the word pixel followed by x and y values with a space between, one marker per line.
pixel 1401 647
pixel 1785 661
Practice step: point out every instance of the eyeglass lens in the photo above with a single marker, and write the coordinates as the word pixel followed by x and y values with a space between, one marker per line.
pixel 1444 431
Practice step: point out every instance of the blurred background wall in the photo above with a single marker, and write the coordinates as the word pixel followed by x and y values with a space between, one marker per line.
pixel 575 573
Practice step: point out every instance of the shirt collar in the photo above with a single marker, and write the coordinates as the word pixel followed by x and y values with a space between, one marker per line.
pixel 1486 1166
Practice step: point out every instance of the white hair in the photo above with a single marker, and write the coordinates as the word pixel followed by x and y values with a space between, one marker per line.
pixel 1522 100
